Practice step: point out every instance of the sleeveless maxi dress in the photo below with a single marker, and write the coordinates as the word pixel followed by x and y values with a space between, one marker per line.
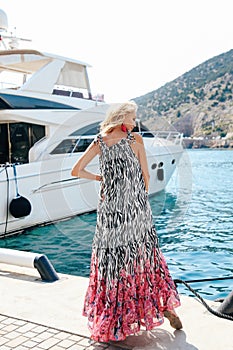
pixel 130 285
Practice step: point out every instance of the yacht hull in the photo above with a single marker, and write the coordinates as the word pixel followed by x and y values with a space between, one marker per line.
pixel 55 195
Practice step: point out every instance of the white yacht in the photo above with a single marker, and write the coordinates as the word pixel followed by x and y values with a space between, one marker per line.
pixel 47 120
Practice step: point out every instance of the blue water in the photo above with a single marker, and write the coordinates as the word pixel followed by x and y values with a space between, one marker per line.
pixel 193 218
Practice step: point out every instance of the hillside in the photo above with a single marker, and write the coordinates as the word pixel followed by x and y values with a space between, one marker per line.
pixel 199 103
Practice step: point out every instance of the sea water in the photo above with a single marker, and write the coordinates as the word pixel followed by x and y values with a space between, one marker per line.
pixel 193 218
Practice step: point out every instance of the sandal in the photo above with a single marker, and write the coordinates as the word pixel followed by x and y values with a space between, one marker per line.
pixel 175 322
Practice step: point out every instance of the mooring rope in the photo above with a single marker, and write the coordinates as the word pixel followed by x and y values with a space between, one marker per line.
pixel 209 279
pixel 212 311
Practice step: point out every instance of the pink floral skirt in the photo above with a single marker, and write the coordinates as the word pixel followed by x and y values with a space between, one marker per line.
pixel 125 294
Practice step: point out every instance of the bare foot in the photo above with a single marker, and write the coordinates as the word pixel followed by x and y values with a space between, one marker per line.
pixel 174 320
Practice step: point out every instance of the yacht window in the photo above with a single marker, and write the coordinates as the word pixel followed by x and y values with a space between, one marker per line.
pixel 72 145
pixel 90 129
pixel 83 144
pixel 8 101
pixel 22 138
pixel 66 146
pixel 144 130
pixel 94 129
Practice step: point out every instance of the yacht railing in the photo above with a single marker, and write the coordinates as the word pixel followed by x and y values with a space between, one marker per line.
pixel 8 85
pixel 71 144
pixel 173 136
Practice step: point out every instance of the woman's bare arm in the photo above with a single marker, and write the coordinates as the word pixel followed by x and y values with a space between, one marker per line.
pixel 79 167
pixel 141 154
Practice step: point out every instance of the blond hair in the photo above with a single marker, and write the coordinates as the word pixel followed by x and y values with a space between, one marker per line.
pixel 116 115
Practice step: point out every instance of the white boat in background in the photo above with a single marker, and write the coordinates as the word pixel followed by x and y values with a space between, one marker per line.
pixel 47 121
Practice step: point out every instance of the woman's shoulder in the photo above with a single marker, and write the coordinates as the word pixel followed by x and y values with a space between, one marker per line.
pixel 95 144
pixel 138 138
pixel 98 139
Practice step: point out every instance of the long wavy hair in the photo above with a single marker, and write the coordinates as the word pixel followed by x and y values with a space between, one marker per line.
pixel 116 115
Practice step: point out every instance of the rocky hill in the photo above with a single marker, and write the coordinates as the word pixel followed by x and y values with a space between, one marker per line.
pixel 199 103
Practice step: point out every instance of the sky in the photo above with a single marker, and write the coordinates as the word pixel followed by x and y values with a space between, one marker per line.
pixel 133 46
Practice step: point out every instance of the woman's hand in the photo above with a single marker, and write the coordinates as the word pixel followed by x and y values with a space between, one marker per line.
pixel 98 178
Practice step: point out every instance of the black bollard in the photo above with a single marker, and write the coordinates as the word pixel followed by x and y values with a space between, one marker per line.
pixel 45 269
pixel 227 305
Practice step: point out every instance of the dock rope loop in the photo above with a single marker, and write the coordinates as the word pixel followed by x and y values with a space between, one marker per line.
pixel 212 311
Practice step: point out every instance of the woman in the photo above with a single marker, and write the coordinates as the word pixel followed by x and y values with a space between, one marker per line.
pixel 130 285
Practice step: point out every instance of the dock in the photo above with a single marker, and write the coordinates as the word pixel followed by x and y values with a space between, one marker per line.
pixel 41 315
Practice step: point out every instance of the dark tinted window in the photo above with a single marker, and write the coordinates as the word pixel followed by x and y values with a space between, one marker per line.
pixel 91 129
pixel 144 130
pixel 66 146
pixel 82 145
pixel 72 145
pixel 8 101
pixel 94 129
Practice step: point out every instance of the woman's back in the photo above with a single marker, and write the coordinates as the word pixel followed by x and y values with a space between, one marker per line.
pixel 123 201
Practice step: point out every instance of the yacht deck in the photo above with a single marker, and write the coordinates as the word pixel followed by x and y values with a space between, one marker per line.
pixel 39 315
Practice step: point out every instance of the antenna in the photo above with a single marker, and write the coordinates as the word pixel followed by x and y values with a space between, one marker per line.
pixel 8 41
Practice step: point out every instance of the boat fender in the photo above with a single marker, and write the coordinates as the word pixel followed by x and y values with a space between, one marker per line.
pixel 227 306
pixel 20 207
